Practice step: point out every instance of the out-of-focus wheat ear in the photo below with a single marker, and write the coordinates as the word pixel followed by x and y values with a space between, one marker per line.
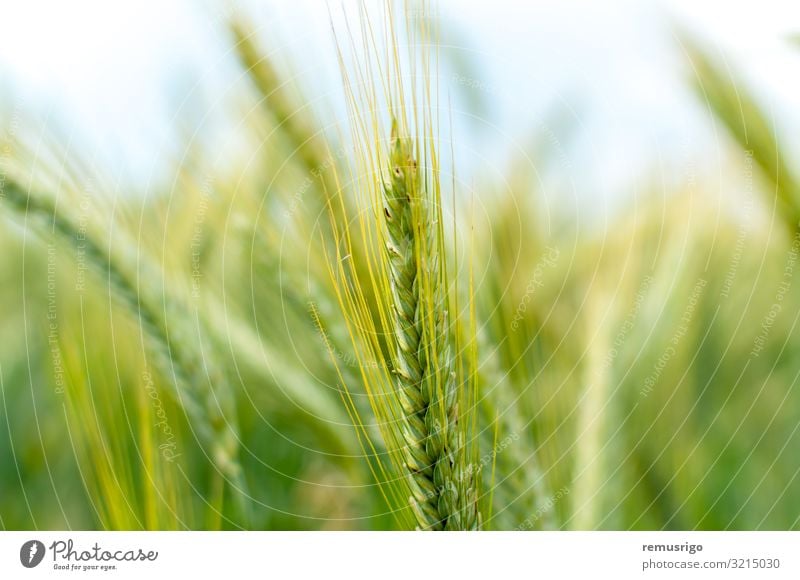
pixel 198 383
pixel 730 100
pixel 509 465
pixel 291 115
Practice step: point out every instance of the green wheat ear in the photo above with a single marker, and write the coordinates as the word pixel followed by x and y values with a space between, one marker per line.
pixel 390 272
pixel 402 198
pixel 426 383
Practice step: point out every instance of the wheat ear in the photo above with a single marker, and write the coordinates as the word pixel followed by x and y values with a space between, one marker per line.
pixel 210 410
pixel 441 497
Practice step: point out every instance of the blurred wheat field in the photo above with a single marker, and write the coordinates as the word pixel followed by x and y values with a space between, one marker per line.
pixel 331 331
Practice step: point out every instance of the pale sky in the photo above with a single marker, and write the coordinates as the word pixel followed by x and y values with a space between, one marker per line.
pixel 114 76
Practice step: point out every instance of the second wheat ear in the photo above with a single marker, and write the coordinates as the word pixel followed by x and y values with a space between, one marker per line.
pixel 198 382
pixel 442 497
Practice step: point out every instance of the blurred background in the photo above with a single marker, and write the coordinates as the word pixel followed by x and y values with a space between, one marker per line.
pixel 632 168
